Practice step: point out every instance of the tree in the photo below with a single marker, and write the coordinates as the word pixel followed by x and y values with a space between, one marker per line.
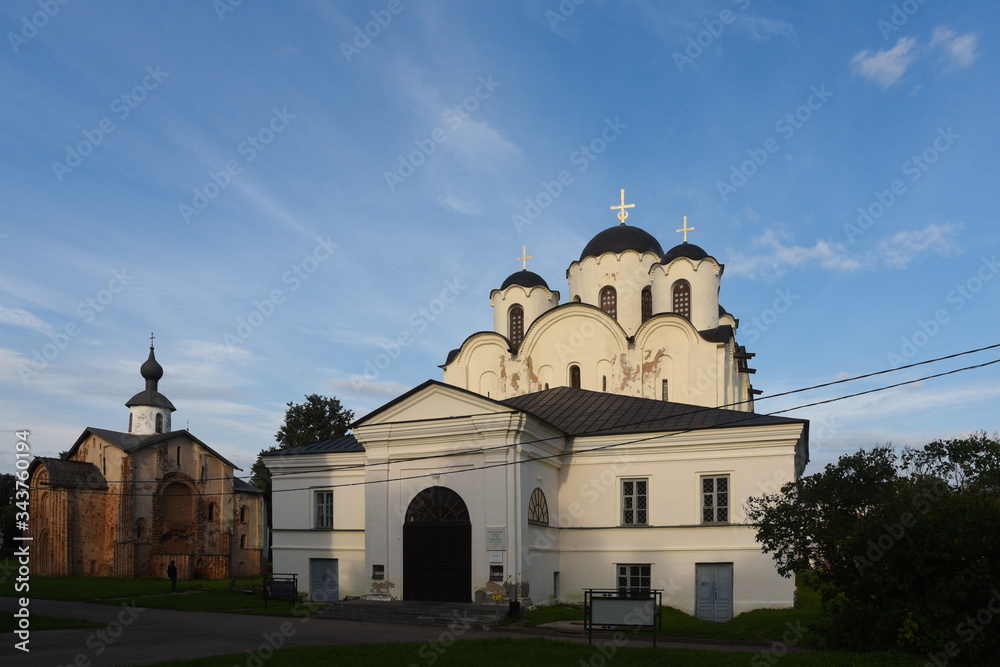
pixel 319 418
pixel 903 545
pixel 8 528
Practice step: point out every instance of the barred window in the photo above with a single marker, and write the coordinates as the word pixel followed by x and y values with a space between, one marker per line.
pixel 715 499
pixel 634 579
pixel 682 298
pixel 647 303
pixel 574 376
pixel 324 509
pixel 515 325
pixel 609 301
pixel 538 509
pixel 635 502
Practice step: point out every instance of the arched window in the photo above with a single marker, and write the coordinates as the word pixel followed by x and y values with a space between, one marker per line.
pixel 574 376
pixel 243 541
pixel 609 301
pixel 538 509
pixel 211 511
pixel 159 423
pixel 647 303
pixel 682 298
pixel 130 422
pixel 243 514
pixel 515 325
pixel 438 504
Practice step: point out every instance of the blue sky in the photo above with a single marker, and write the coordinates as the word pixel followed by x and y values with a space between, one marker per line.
pixel 280 191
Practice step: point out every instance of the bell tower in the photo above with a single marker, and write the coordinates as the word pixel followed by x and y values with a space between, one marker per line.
pixel 149 410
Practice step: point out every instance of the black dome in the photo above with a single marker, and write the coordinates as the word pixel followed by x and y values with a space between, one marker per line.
pixel 151 368
pixel 620 238
pixel 524 278
pixel 689 250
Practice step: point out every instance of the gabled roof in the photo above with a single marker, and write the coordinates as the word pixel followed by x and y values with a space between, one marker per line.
pixel 70 474
pixel 131 442
pixel 579 412
pixel 244 487
pixel 345 443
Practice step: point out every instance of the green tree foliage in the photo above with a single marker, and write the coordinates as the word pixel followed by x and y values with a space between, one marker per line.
pixel 8 485
pixel 905 546
pixel 319 418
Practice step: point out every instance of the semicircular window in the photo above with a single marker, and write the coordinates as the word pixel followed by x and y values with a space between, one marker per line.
pixel 438 504
pixel 538 509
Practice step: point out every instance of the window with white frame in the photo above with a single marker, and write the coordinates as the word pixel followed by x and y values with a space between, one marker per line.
pixel 634 578
pixel 324 509
pixel 715 499
pixel 635 502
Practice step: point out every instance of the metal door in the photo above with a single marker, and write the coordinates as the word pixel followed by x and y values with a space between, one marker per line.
pixel 714 585
pixel 324 579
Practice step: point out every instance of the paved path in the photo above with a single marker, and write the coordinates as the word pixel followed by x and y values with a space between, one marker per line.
pixel 137 636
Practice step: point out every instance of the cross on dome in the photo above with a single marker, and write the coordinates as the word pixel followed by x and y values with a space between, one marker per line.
pixel 622 213
pixel 686 229
pixel 524 258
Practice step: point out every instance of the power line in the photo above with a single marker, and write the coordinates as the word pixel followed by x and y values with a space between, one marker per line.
pixel 658 436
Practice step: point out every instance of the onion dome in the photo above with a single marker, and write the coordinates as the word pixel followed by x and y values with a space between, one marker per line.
pixel 524 278
pixel 620 238
pixel 152 372
pixel 689 250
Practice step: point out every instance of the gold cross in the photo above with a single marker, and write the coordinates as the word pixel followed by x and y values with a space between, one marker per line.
pixel 686 229
pixel 622 214
pixel 524 258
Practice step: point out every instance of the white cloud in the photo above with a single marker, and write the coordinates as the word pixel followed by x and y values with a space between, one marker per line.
pixel 459 206
pixel 960 49
pixel 886 67
pixel 763 28
pixel 779 257
pixel 899 250
pixel 19 317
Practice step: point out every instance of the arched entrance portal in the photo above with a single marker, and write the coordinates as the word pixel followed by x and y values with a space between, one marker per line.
pixel 437 547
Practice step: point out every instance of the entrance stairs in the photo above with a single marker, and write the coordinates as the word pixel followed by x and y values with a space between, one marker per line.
pixel 454 615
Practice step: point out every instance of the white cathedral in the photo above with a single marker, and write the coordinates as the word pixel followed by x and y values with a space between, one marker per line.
pixel 608 442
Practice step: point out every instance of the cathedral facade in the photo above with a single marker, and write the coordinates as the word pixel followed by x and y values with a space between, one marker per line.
pixel 125 504
pixel 606 442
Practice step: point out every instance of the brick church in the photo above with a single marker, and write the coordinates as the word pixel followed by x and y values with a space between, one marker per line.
pixel 124 504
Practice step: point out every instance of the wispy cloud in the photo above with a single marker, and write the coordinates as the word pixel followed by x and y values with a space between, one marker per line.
pixel 960 50
pixel 779 257
pixel 460 206
pixel 886 67
pixel 899 250
pixel 19 317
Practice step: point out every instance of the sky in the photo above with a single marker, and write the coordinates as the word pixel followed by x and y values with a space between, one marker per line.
pixel 283 191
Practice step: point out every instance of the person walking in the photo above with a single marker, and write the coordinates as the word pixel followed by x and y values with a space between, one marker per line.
pixel 172 575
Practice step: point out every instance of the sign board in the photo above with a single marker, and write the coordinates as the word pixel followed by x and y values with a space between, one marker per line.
pixel 497 597
pixel 496 539
pixel 612 611
pixel 496 557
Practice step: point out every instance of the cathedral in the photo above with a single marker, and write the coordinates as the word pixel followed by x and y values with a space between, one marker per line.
pixel 125 504
pixel 608 441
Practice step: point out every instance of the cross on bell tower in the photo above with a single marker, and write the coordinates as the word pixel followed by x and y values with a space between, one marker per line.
pixel 622 213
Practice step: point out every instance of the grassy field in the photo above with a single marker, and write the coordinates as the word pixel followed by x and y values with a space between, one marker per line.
pixel 530 652
pixel 201 595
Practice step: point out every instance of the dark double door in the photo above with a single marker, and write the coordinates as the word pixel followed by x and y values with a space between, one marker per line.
pixel 437 562
pixel 437 548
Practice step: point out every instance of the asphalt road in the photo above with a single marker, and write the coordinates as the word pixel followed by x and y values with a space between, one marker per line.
pixel 136 636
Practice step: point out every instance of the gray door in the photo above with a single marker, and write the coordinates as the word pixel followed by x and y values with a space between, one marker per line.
pixel 714 585
pixel 324 580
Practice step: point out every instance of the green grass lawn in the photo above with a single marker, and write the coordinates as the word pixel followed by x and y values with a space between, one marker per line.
pixel 528 652
pixel 200 595
pixel 8 623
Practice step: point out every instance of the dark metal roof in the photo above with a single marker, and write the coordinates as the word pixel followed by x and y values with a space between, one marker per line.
pixel 579 412
pixel 345 443
pixel 689 250
pixel 720 334
pixel 151 397
pixel 130 442
pixel 524 278
pixel 620 238
pixel 244 487
pixel 71 474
